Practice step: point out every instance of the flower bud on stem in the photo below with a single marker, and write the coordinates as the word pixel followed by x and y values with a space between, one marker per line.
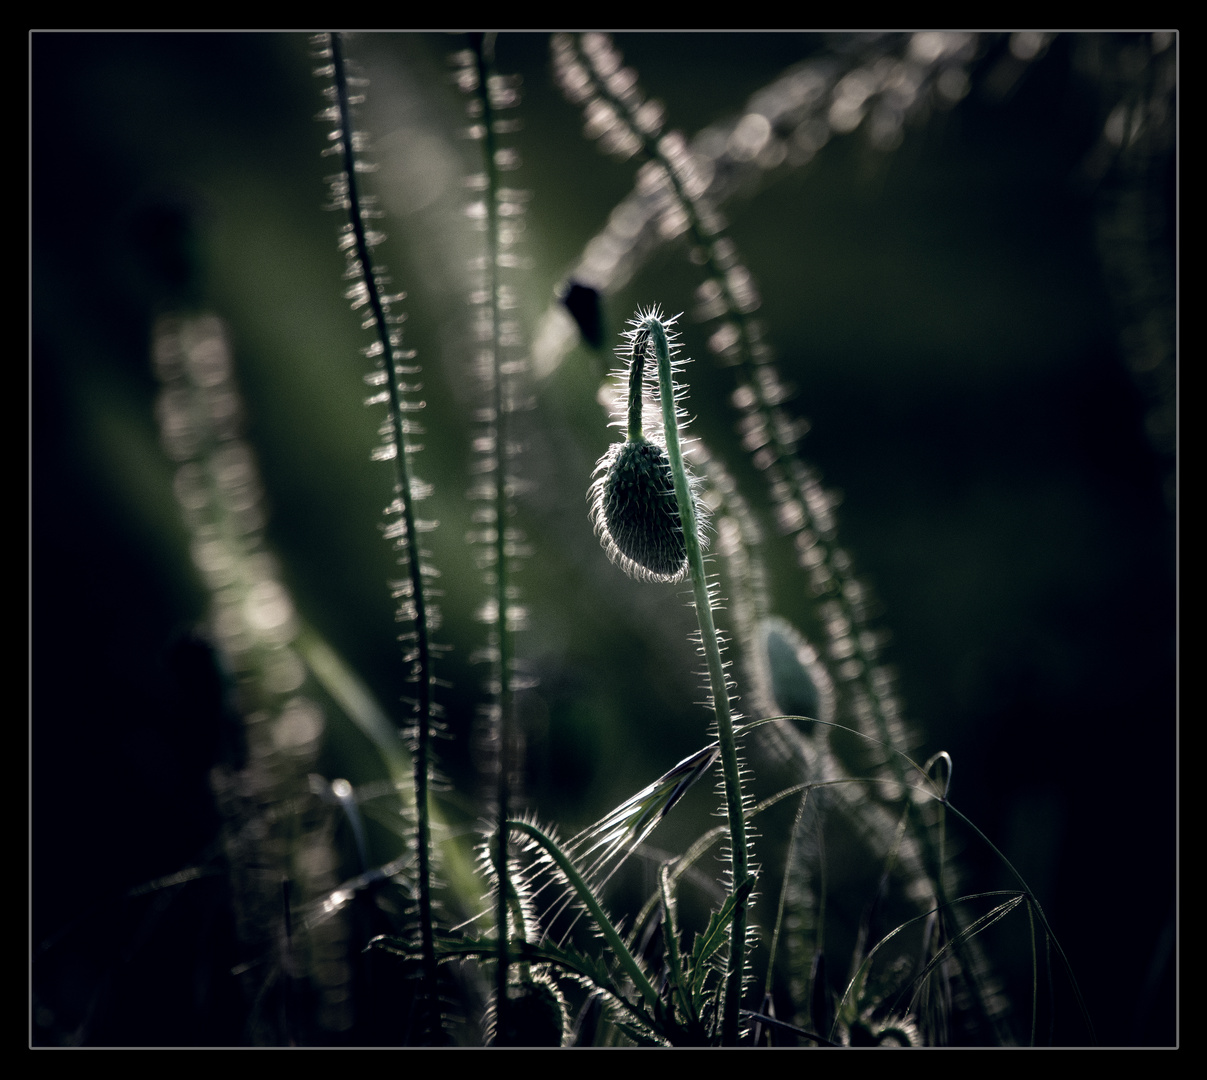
pixel 653 329
pixel 645 509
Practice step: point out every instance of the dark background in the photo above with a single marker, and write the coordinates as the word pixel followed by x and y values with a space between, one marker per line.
pixel 962 343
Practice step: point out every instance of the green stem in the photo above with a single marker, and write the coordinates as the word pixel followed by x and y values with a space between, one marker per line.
pixel 423 665
pixel 636 385
pixel 653 330
pixel 483 51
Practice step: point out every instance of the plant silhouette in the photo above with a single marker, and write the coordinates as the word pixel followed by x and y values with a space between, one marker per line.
pixel 927 283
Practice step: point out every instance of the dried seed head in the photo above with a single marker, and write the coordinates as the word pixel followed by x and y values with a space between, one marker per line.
pixel 634 511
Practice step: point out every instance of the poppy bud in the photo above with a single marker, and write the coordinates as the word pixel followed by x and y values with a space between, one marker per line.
pixel 635 513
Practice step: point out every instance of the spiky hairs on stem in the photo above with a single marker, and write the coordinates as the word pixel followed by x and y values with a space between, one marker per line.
pixel 654 332
pixel 369 278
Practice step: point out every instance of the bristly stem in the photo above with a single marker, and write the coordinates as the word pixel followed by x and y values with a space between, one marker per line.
pixel 422 669
pixel 653 331
pixel 636 386
pixel 483 48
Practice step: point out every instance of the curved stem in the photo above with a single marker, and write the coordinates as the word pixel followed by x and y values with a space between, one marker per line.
pixel 602 923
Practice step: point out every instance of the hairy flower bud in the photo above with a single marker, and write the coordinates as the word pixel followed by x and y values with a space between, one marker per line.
pixel 635 513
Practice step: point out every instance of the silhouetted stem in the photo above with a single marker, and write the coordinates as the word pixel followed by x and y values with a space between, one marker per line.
pixel 483 47
pixel 656 334
pixel 423 665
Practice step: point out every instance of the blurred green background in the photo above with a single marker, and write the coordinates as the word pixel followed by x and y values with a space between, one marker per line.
pixel 986 365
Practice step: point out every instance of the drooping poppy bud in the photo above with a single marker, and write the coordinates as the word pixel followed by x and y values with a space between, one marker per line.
pixel 635 513
pixel 634 507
